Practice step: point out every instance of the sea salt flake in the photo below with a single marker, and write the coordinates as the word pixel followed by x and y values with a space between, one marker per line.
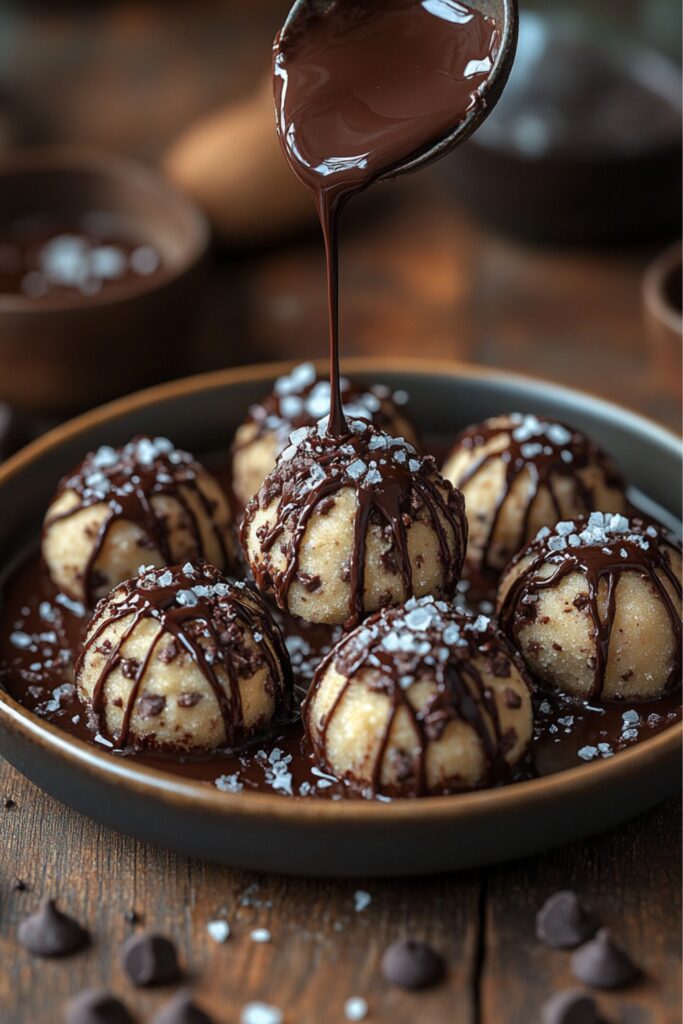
pixel 419 619
pixel 20 639
pixel 297 436
pixel 219 930
pixel 414 466
pixel 588 753
pixel 291 406
pixel 355 1008
pixel 301 377
pixel 229 784
pixel 261 1013
pixel 361 900
pixel 261 935
pixel 356 469
pixel 373 477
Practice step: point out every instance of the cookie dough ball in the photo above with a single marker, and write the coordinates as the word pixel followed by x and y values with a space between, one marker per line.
pixel 145 503
pixel 519 473
pixel 300 399
pixel 180 659
pixel 595 608
pixel 420 700
pixel 344 526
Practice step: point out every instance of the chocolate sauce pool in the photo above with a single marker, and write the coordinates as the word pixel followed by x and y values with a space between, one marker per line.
pixel 360 89
pixel 43 630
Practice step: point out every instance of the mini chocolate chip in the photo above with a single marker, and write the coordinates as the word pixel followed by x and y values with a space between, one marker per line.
pixel 91 1007
pixel 130 667
pixel 181 1009
pixel 563 923
pixel 20 885
pixel 570 1007
pixel 409 963
pixel 189 700
pixel 603 964
pixel 168 652
pixel 512 699
pixel 151 705
pixel 49 932
pixel 9 803
pixel 150 960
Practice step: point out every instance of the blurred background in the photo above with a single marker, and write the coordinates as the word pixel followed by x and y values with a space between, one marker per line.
pixel 529 249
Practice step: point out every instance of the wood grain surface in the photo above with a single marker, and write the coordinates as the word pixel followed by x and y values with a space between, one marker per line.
pixel 417 276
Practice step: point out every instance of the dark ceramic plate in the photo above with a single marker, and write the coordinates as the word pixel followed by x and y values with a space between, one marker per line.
pixel 308 837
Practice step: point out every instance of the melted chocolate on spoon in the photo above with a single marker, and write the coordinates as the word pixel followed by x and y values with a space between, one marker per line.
pixel 360 89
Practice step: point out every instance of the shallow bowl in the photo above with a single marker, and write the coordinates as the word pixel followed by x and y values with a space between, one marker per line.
pixel 346 838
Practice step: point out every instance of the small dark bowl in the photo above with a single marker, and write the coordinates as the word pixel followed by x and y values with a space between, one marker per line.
pixel 578 185
pixel 664 316
pixel 62 355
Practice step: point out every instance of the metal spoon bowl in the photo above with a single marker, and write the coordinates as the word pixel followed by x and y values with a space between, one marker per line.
pixel 506 16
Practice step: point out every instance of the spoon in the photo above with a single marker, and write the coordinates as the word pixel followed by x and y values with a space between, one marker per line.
pixel 506 17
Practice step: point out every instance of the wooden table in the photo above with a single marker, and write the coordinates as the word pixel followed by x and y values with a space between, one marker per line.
pixel 418 276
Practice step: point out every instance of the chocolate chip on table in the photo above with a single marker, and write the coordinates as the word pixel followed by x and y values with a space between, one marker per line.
pixel 570 1007
pixel 150 959
pixel 20 885
pixel 409 963
pixel 602 964
pixel 9 803
pixel 563 923
pixel 92 1007
pixel 49 932
pixel 181 1009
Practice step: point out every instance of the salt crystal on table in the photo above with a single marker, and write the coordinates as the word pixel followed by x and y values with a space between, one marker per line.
pixel 219 931
pixel 260 935
pixel 261 1013
pixel 355 1008
pixel 361 900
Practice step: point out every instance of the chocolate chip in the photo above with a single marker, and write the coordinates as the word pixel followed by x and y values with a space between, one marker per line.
pixel 181 1009
pixel 130 667
pixel 409 963
pixel 9 803
pixel 563 923
pixel 570 1007
pixel 603 964
pixel 151 705
pixel 92 1007
pixel 512 699
pixel 189 700
pixel 20 885
pixel 150 960
pixel 49 932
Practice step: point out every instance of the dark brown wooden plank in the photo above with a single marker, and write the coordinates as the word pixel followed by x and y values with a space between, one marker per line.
pixel 322 950
pixel 631 877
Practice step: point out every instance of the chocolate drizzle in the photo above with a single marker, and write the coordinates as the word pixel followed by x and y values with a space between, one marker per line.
pixel 392 485
pixel 127 480
pixel 205 616
pixel 601 549
pixel 547 451
pixel 426 640
pixel 362 88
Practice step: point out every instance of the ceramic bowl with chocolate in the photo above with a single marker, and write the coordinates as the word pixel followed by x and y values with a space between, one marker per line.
pixel 439 623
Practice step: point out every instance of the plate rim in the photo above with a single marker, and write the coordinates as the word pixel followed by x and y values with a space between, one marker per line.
pixel 198 795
